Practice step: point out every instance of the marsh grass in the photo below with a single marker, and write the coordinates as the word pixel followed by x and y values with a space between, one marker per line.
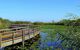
pixel 70 34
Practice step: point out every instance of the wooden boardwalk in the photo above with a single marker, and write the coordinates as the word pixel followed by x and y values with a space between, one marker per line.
pixel 16 35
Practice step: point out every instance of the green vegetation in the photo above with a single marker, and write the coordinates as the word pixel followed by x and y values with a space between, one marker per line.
pixel 4 23
pixel 70 34
pixel 69 29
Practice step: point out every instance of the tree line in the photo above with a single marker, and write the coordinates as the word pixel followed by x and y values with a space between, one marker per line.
pixel 4 23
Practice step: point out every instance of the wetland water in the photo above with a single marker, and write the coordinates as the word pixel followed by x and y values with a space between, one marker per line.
pixel 52 43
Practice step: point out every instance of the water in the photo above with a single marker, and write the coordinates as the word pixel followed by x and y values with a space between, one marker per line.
pixel 44 43
pixel 54 44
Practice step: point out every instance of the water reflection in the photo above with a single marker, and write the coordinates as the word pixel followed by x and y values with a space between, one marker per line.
pixel 54 44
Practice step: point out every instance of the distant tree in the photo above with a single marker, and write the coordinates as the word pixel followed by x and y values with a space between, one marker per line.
pixel 21 22
pixel 38 23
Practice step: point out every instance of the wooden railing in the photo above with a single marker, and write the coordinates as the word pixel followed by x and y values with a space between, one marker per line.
pixel 16 35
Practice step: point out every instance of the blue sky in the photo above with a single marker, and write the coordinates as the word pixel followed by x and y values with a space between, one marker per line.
pixel 38 10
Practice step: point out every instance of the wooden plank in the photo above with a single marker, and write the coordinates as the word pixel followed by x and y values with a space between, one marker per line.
pixel 6 33
pixel 6 36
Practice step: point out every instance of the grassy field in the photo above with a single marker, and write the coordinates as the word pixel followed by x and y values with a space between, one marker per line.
pixel 57 28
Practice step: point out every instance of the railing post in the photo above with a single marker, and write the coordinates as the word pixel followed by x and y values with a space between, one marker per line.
pixel 13 36
pixel 0 40
pixel 23 38
pixel 33 32
pixel 29 33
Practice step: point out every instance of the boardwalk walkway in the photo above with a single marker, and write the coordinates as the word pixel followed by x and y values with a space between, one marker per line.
pixel 16 35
